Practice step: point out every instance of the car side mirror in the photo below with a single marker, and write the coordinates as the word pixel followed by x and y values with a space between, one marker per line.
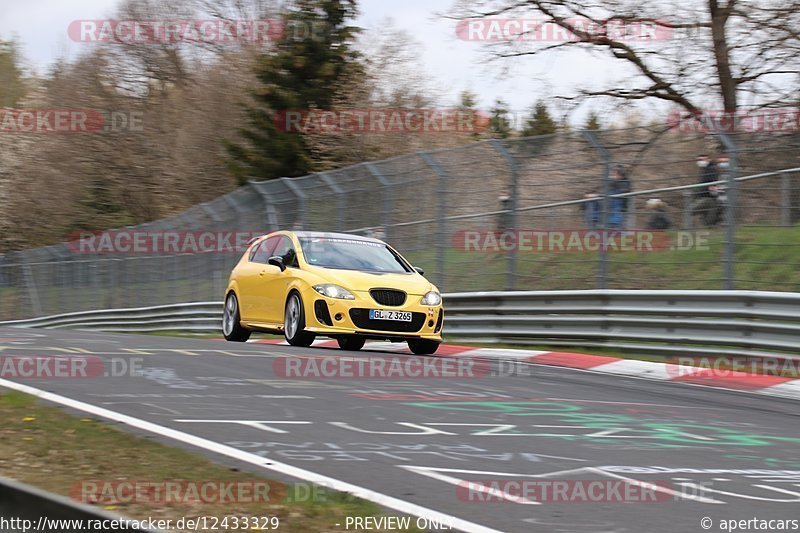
pixel 421 272
pixel 277 261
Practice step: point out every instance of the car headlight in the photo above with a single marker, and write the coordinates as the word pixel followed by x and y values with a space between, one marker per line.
pixel 334 291
pixel 431 298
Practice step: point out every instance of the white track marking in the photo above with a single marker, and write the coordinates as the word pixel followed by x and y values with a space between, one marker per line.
pixel 437 473
pixel 268 464
pixel 788 389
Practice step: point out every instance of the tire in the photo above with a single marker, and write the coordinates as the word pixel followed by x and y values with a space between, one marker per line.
pixel 423 346
pixel 231 327
pixel 353 343
pixel 294 322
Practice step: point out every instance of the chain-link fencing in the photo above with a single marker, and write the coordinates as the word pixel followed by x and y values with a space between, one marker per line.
pixel 578 210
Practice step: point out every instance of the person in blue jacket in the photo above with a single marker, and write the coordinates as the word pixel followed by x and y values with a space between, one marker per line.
pixel 620 184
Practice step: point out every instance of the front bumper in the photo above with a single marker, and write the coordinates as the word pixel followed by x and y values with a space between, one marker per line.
pixel 331 316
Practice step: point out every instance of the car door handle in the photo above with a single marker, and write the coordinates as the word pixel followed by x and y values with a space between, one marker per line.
pixel 262 272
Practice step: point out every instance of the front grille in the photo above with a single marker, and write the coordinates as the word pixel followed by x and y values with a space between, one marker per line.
pixel 360 318
pixel 322 313
pixel 389 297
pixel 439 321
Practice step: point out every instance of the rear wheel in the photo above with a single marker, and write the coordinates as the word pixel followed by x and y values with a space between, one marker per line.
pixel 353 343
pixel 231 328
pixel 294 322
pixel 423 346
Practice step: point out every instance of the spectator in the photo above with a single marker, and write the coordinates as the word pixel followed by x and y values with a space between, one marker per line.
pixel 504 217
pixel 659 219
pixel 706 205
pixel 620 184
pixel 719 192
pixel 708 174
pixel 591 210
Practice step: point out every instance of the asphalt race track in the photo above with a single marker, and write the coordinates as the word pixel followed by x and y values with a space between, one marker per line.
pixel 711 453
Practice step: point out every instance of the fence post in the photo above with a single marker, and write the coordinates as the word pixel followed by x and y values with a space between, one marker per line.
pixel 441 216
pixel 112 282
pixel 730 212
pixel 339 192
pixel 786 199
pixel 207 208
pixel 218 261
pixel 33 294
pixel 386 185
pixel 512 210
pixel 688 198
pixel 602 267
pixel 269 207
pixel 301 203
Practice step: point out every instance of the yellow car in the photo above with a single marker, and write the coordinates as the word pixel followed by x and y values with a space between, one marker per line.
pixel 346 287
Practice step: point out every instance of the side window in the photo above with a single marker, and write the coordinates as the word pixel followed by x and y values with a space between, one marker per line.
pixel 263 251
pixel 285 249
pixel 254 251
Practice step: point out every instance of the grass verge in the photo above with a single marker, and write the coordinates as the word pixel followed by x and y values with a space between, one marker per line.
pixel 48 448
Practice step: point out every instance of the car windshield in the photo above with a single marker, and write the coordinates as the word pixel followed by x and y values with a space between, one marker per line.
pixel 352 254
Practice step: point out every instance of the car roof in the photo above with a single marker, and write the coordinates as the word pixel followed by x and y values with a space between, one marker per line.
pixel 332 235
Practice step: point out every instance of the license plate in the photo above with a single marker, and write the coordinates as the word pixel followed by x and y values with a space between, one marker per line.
pixel 380 314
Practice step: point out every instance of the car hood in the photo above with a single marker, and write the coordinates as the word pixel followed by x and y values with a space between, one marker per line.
pixel 355 280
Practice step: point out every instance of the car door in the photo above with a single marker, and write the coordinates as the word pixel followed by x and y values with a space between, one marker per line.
pixel 276 284
pixel 252 301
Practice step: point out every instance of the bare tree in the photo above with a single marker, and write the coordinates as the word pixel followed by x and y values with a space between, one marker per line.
pixel 392 75
pixel 185 102
pixel 690 54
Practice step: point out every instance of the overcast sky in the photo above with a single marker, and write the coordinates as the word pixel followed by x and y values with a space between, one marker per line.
pixel 454 65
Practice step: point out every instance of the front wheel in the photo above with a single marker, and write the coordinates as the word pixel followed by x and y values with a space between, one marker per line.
pixel 353 343
pixel 232 330
pixel 423 346
pixel 294 322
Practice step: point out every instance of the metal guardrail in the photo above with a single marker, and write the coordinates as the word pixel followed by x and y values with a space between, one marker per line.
pixel 22 502
pixel 752 323
pixel 195 316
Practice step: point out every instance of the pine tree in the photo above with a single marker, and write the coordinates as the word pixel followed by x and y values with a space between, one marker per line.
pixel 592 122
pixel 540 122
pixel 468 102
pixel 499 122
pixel 302 73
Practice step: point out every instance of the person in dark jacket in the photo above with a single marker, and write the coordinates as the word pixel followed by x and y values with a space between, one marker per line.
pixel 659 219
pixel 705 204
pixel 708 174
pixel 620 184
